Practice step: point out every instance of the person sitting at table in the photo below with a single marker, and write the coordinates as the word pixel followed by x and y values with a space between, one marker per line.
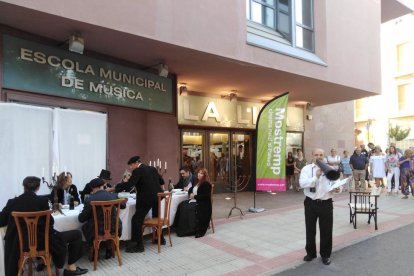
pixel 193 216
pixel 187 179
pixel 185 218
pixel 98 194
pixel 147 182
pixel 202 194
pixel 60 243
pixel 124 185
pixel 105 175
pixel 65 188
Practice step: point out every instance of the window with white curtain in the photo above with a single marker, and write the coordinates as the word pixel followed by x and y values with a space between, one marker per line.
pixel 34 139
pixel 285 26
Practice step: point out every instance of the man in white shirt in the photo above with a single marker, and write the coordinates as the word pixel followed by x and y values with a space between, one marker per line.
pixel 318 205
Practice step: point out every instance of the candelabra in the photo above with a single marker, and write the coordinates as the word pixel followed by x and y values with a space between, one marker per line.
pixel 161 171
pixel 52 186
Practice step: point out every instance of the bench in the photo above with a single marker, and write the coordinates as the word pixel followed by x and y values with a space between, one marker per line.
pixel 363 203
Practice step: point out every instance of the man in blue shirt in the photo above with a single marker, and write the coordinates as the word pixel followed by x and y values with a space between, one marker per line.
pixel 359 165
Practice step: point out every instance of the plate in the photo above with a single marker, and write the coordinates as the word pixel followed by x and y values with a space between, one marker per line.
pixel 65 206
pixel 123 195
pixel 180 193
pixel 177 190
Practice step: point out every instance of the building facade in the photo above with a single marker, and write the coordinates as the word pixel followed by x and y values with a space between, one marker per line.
pixel 187 63
pixel 374 115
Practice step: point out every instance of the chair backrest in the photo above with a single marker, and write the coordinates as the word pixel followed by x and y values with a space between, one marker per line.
pixel 31 229
pixel 164 214
pixel 107 207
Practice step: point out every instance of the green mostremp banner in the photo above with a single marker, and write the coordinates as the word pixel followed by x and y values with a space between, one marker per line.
pixel 271 145
pixel 33 67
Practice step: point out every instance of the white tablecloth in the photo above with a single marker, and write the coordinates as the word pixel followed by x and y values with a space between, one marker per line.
pixel 69 221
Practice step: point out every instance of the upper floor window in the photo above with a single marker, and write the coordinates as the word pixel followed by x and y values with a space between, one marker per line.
pixel 290 21
pixel 405 56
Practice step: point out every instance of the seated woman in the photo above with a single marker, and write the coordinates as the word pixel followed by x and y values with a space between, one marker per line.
pixel 64 187
pixel 124 186
pixel 193 216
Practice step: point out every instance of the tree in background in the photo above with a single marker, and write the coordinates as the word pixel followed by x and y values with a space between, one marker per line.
pixel 398 133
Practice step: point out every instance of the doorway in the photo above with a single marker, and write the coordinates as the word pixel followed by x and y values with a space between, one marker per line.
pixel 227 155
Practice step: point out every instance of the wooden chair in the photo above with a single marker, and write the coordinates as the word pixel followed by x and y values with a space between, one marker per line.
pixel 163 218
pixel 31 235
pixel 363 203
pixel 106 207
pixel 211 220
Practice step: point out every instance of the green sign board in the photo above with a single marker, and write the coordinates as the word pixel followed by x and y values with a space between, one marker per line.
pixel 33 67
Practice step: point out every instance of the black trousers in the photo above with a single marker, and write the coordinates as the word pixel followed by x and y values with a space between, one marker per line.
pixel 142 209
pixel 73 239
pixel 322 210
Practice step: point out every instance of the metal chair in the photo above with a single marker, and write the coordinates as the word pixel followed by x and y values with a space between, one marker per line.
pixel 107 233
pixel 363 203
pixel 162 219
pixel 29 237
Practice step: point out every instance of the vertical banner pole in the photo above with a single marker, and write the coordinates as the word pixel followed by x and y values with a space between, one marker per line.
pixel 271 147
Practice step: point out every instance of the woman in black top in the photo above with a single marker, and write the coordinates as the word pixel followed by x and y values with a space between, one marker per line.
pixel 64 183
pixel 202 194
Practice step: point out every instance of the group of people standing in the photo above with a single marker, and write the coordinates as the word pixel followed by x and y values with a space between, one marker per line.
pixel 394 165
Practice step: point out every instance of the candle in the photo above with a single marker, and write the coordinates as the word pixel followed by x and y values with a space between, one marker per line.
pixel 150 163
pixel 43 172
pixel 155 164
pixel 65 172
pixel 165 165
pixel 158 162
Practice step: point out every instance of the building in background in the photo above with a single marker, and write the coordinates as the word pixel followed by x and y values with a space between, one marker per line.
pixel 202 69
pixel 374 115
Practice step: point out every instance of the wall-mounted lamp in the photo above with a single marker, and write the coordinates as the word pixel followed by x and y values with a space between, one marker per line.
pixel 232 96
pixel 183 89
pixel 76 44
pixel 162 70
pixel 309 106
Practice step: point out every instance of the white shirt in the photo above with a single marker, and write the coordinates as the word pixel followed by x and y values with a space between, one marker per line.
pixel 309 180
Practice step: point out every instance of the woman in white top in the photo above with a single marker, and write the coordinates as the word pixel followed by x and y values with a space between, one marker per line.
pixel 334 159
pixel 377 165
pixel 393 169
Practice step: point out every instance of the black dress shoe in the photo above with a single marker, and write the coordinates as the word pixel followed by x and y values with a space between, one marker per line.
pixel 163 242
pixel 108 253
pixel 78 271
pixel 308 258
pixel 198 235
pixel 135 248
pixel 326 261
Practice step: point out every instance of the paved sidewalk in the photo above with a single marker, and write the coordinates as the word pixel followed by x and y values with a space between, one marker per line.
pixel 258 244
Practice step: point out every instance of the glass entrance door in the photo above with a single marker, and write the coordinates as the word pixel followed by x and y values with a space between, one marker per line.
pixel 226 155
pixel 192 145
pixel 219 162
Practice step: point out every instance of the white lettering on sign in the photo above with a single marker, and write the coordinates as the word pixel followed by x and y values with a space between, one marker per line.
pixel 187 115
pixel 42 58
pixel 72 82
pixel 211 112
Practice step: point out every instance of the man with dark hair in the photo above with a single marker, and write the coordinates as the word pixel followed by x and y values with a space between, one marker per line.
pixel 30 202
pixel 88 229
pixel 105 175
pixel 187 179
pixel 147 182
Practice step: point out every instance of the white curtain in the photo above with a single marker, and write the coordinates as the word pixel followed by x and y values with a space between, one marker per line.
pixel 33 139
pixel 25 140
pixel 81 144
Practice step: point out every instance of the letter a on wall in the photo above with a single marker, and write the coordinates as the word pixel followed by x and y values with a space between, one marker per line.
pixel 271 145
